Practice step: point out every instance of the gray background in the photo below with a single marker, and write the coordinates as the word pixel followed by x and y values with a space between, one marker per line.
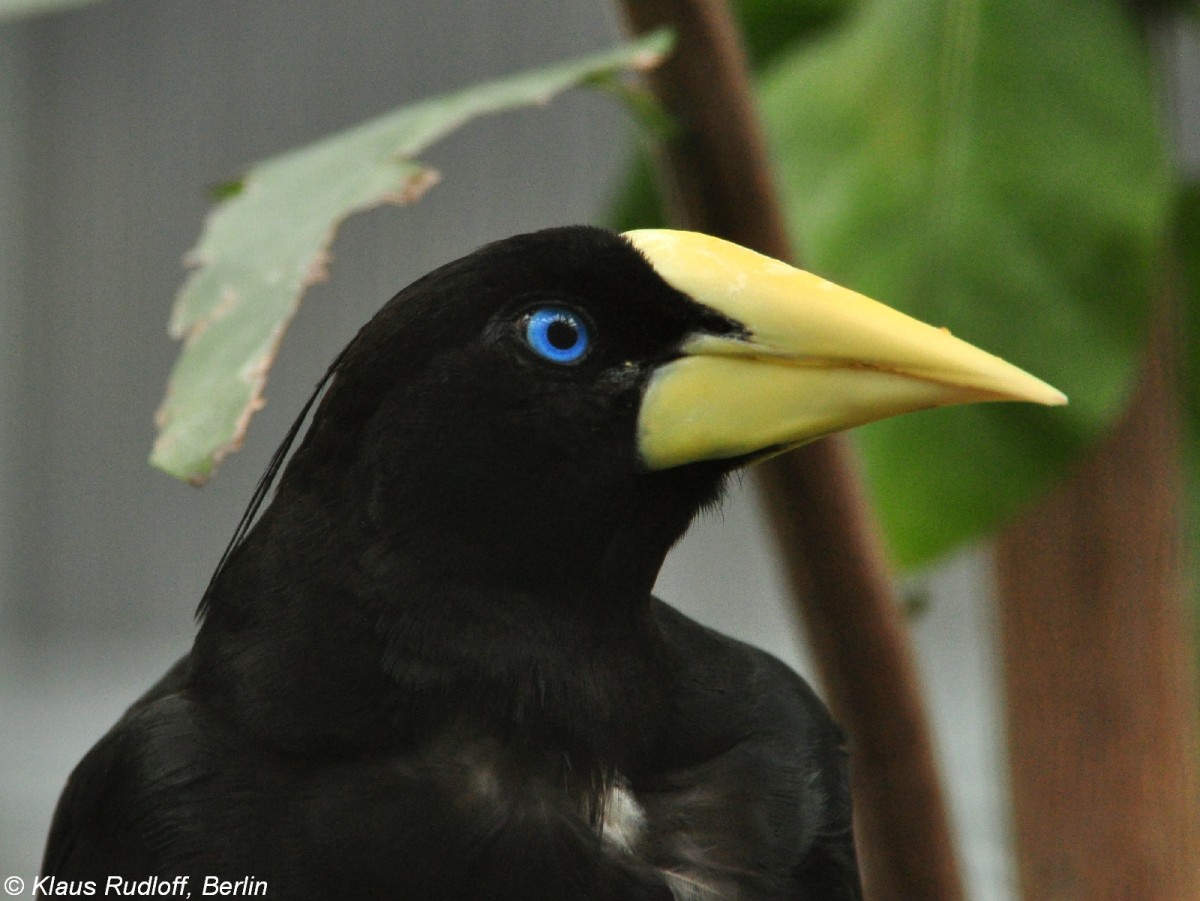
pixel 113 120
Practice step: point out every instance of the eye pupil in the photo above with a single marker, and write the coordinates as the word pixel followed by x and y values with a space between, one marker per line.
pixel 557 334
pixel 562 334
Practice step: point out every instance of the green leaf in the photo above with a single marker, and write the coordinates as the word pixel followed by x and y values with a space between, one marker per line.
pixel 1187 251
pixel 15 9
pixel 265 244
pixel 996 167
pixel 638 202
pixel 770 27
pixel 1187 254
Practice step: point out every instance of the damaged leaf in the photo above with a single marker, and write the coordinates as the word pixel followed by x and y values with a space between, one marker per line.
pixel 268 239
pixel 16 9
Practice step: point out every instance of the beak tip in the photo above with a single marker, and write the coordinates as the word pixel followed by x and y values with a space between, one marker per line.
pixel 1046 395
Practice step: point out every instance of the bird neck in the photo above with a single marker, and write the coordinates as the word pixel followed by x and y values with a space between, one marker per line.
pixel 326 631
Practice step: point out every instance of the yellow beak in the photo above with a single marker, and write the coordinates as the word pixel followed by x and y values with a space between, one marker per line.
pixel 814 359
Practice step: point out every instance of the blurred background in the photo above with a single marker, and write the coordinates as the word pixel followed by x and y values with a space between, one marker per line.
pixel 115 120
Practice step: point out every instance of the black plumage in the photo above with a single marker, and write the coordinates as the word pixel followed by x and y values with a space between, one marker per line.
pixel 433 667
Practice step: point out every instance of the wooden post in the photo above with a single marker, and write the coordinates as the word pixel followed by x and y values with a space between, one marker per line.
pixel 718 180
pixel 1099 668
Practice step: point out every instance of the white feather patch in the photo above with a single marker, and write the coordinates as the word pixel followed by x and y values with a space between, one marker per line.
pixel 624 820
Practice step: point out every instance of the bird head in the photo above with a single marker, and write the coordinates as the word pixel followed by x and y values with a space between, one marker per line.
pixel 531 401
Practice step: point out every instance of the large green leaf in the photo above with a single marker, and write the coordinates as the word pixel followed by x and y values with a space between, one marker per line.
pixel 994 166
pixel 772 27
pixel 267 242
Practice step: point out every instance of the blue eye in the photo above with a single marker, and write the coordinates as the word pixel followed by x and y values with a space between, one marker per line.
pixel 556 334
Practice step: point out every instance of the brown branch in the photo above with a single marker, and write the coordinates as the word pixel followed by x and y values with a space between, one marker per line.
pixel 1099 668
pixel 862 650
pixel 718 181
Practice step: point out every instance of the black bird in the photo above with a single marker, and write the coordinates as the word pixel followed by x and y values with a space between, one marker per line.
pixel 433 667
